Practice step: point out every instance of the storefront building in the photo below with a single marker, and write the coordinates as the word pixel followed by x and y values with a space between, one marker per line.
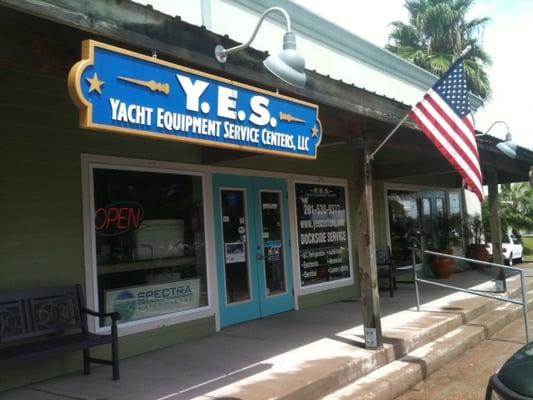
pixel 185 234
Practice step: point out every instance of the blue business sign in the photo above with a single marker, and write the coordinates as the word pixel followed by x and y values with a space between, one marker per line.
pixel 125 92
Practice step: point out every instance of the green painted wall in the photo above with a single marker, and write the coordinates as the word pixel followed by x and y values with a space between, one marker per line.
pixel 40 147
pixel 440 180
pixel 328 296
pixel 41 234
pixel 331 162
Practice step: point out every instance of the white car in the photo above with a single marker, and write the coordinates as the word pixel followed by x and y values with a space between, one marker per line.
pixel 511 247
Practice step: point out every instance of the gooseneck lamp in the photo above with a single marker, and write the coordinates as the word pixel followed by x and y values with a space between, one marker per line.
pixel 507 147
pixel 288 65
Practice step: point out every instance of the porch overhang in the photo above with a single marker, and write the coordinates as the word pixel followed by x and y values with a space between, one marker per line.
pixel 346 111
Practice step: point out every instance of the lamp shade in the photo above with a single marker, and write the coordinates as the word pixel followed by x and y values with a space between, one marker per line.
pixel 507 147
pixel 288 65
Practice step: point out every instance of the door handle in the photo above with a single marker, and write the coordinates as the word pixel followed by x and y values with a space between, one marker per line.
pixel 260 257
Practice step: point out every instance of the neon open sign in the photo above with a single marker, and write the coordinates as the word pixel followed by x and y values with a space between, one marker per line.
pixel 118 218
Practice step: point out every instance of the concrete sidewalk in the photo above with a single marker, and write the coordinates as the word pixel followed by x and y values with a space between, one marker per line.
pixel 296 355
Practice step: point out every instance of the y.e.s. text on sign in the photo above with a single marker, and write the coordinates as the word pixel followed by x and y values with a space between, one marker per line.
pixel 125 92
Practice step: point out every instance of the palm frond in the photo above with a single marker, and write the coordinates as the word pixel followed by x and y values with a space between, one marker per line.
pixel 436 32
pixel 440 63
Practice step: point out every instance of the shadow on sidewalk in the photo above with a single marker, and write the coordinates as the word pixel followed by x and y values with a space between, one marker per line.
pixel 190 369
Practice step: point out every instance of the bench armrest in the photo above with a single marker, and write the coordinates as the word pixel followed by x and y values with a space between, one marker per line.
pixel 113 315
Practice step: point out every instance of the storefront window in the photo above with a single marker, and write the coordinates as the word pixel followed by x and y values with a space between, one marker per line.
pixel 404 224
pixel 150 253
pixel 454 199
pixel 322 233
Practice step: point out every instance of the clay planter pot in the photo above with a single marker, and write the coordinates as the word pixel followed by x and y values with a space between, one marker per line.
pixel 478 252
pixel 442 267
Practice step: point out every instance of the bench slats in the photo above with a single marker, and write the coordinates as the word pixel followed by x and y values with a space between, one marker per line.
pixel 21 354
pixel 48 322
pixel 48 311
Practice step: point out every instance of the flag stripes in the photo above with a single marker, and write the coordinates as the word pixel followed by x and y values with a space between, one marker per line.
pixel 463 127
pixel 444 116
pixel 453 137
pixel 472 182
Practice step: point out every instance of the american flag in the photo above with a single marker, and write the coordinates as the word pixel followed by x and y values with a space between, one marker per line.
pixel 444 116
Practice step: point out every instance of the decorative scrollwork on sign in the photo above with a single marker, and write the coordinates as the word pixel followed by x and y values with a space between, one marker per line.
pixel 55 313
pixel 10 320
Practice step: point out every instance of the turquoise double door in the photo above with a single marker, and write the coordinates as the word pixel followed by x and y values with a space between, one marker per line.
pixel 253 247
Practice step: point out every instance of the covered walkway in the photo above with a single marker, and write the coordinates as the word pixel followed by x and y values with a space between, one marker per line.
pixel 304 354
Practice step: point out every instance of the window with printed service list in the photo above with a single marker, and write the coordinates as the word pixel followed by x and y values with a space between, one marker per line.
pixel 322 233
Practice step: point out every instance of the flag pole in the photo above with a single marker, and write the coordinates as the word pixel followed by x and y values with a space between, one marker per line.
pixel 371 156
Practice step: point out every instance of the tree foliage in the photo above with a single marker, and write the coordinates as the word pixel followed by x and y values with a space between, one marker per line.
pixel 516 208
pixel 437 33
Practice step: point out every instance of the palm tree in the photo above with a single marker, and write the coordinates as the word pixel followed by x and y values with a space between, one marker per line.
pixel 516 208
pixel 436 34
pixel 516 202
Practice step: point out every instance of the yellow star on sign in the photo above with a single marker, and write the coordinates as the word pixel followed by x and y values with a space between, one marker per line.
pixel 95 83
pixel 314 131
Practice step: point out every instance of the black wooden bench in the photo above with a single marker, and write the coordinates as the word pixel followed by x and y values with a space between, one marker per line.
pixel 42 323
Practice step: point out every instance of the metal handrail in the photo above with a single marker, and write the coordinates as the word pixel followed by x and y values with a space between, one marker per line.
pixel 523 303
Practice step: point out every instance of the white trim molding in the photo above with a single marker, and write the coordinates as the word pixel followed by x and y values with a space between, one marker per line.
pixel 89 163
pixel 334 37
pixel 319 287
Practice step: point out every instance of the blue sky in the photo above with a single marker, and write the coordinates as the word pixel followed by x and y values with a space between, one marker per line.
pixel 506 38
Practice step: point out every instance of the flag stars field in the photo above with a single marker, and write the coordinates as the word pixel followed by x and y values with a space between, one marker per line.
pixel 443 115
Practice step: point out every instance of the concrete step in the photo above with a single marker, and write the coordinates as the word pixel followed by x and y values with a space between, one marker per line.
pixel 416 343
pixel 395 378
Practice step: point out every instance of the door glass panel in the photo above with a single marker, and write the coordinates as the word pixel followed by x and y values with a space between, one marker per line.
pixel 454 200
pixel 404 224
pixel 439 206
pixel 427 217
pixel 236 263
pixel 272 243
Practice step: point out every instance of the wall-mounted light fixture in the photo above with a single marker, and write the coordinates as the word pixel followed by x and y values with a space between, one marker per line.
pixel 288 65
pixel 507 147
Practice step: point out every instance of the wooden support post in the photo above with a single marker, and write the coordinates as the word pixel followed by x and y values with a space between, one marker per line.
pixel 495 229
pixel 366 247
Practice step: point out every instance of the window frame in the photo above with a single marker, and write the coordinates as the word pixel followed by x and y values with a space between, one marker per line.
pixel 89 164
pixel 320 287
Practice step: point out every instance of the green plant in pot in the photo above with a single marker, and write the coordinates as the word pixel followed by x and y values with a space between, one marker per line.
pixel 446 229
pixel 477 250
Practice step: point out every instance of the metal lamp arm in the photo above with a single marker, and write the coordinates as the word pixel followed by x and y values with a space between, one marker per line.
pixel 221 53
pixel 494 123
